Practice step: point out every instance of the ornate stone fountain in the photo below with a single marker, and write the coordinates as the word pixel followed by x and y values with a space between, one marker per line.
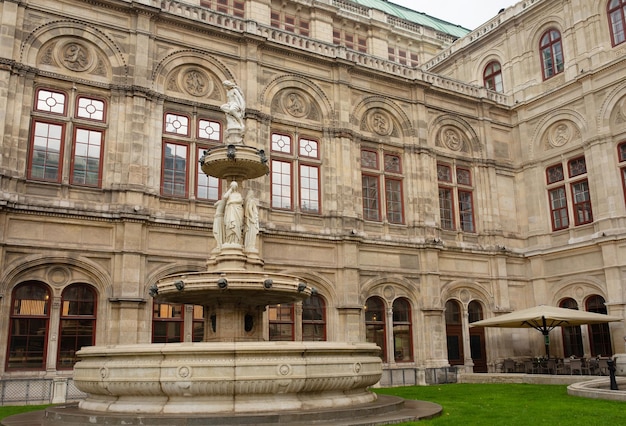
pixel 233 370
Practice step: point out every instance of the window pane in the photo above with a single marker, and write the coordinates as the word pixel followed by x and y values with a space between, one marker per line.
pixel 92 109
pixel 50 101
pixel 207 187
pixel 46 153
pixel 370 198
pixel 558 206
pixel 577 167
pixel 444 174
pixel 466 211
pixel 86 161
pixel 281 184
pixel 177 124
pixel 582 203
pixel 308 148
pixel 209 130
pixel 393 196
pixel 392 164
pixel 555 174
pixel 446 212
pixel 281 143
pixel 309 189
pixel 175 170
pixel 369 159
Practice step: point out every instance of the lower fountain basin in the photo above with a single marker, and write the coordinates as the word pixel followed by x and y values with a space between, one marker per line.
pixel 226 377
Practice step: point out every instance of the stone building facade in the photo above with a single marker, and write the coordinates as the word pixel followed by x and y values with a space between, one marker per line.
pixel 422 176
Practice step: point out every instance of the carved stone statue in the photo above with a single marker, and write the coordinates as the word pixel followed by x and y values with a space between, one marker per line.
pixel 252 221
pixel 233 215
pixel 218 223
pixel 234 108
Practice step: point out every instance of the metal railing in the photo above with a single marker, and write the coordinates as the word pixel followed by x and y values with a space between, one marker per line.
pixel 30 391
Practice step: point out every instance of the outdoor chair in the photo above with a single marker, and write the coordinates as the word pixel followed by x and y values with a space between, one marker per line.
pixel 508 366
pixel 603 366
pixel 529 367
pixel 580 366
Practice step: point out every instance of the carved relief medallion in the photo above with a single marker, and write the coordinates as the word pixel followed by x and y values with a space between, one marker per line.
pixel 75 56
pixel 195 82
pixel 560 133
pixel 379 122
pixel 295 104
pixel 451 138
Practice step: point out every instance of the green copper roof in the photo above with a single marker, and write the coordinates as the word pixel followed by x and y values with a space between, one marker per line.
pixel 414 16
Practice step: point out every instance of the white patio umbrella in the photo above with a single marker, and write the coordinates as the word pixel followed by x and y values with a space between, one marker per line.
pixel 545 318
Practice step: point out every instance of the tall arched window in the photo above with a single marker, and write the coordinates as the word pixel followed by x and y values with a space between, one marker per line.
pixel 314 319
pixel 77 327
pixel 599 334
pixel 375 324
pixel 281 320
pixel 492 76
pixel 28 329
pixel 454 333
pixel 167 323
pixel 477 337
pixel 616 11
pixel 402 333
pixel 551 49
pixel 572 337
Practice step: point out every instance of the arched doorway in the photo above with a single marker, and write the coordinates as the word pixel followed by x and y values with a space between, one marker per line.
pixel 454 333
pixel 477 337
pixel 599 334
pixel 572 336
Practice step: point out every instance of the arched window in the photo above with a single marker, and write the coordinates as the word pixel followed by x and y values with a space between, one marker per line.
pixel 28 329
pixel 551 49
pixel 454 333
pixel 402 333
pixel 167 323
pixel 314 319
pixel 572 337
pixel 375 324
pixel 281 320
pixel 599 334
pixel 492 76
pixel 616 11
pixel 77 327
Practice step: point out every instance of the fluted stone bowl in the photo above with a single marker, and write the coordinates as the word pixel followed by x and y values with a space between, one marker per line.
pixel 226 377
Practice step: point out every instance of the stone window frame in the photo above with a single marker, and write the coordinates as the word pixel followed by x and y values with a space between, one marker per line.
pixel 459 184
pixel 295 159
pixel 376 179
pixel 79 131
pixel 195 139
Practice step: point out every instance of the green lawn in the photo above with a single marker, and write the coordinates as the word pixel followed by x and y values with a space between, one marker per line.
pixel 17 409
pixel 512 405
pixel 493 404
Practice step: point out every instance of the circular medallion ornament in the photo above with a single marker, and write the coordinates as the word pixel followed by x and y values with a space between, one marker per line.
pixel 560 134
pixel 452 138
pixel 183 372
pixel 357 367
pixel 75 56
pixel 58 275
pixel 284 370
pixel 195 82
pixel 295 104
pixel 104 372
pixel 379 122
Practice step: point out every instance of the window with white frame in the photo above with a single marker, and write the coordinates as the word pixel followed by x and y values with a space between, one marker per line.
pixel 382 186
pixel 185 139
pixel 456 197
pixel 295 172
pixel 492 76
pixel 63 123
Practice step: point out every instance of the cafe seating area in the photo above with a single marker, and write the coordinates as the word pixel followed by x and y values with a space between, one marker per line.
pixel 573 366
